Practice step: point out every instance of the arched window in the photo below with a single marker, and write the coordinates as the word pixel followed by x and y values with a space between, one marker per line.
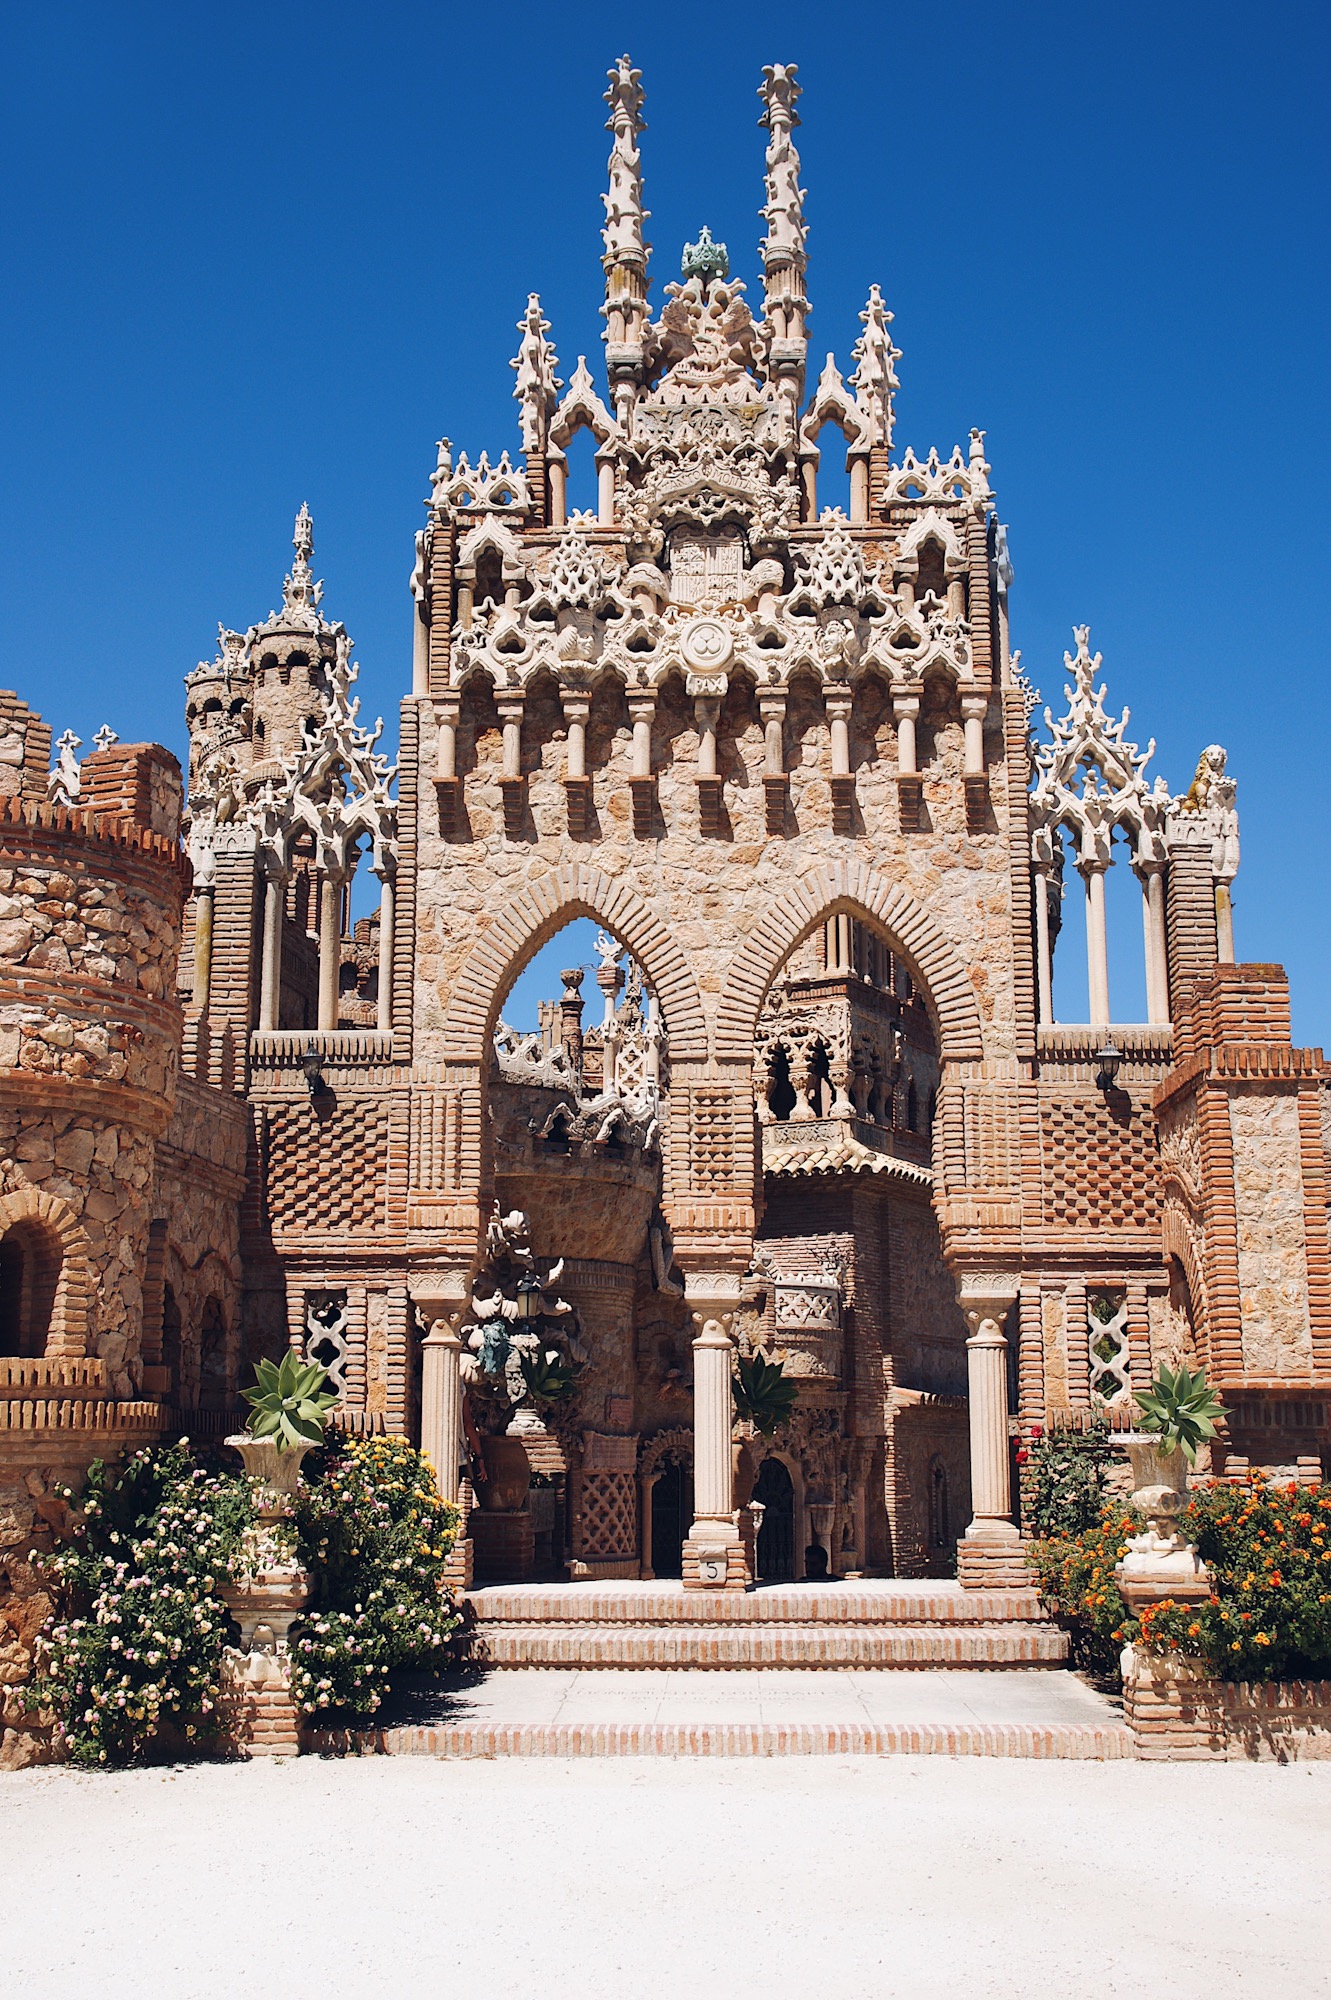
pixel 781 1091
pixel 29 1274
pixel 214 1390
pixel 932 573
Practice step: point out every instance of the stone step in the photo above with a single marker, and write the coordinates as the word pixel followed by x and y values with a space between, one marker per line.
pixel 765 1644
pixel 667 1604
pixel 732 1739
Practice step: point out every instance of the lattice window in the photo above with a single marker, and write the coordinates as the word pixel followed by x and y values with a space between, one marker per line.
pixel 1107 1333
pixel 326 1335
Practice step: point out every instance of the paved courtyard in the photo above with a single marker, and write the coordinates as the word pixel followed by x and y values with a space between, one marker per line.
pixel 808 1876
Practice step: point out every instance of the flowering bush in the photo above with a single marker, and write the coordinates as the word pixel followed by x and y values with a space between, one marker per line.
pixel 1268 1549
pixel 1063 1485
pixel 139 1644
pixel 376 1535
pixel 1076 1578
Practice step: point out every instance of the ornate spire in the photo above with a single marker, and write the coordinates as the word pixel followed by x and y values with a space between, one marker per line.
pixel 625 259
pixel 783 246
pixel 537 387
pixel 784 210
pixel 624 212
pixel 1090 777
pixel 301 595
pixel 705 259
pixel 874 377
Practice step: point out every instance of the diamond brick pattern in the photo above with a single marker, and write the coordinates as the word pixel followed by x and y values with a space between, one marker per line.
pixel 609 1514
pixel 1099 1172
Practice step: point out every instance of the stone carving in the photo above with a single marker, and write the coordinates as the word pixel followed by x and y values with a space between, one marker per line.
pixel 537 387
pixel 519 1313
pixel 874 378
pixel 784 210
pixel 624 212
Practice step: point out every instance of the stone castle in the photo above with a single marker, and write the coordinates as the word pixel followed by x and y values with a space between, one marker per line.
pixel 818 1109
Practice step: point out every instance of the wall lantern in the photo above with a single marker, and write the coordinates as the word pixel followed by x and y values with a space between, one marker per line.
pixel 312 1063
pixel 531 1298
pixel 1108 1059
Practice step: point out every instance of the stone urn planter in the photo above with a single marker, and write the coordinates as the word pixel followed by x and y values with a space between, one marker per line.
pixel 1160 1562
pixel 267 1594
pixel 507 1475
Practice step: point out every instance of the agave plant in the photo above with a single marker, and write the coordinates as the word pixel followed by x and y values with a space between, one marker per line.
pixel 291 1401
pixel 1180 1410
pixel 548 1377
pixel 762 1393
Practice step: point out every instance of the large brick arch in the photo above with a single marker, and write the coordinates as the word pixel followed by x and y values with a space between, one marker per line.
pixel 532 919
pixel 54 1221
pixel 856 889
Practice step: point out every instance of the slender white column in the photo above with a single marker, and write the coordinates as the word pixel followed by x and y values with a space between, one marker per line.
pixel 1224 924
pixel 441 1405
pixel 973 710
pixel 859 491
pixel 270 987
pixel 557 469
pixel 906 708
pixel 642 708
pixel 386 916
pixel 330 946
pixel 713 1473
pixel 986 1368
pixel 203 944
pixel 707 711
pixel 510 714
pixel 1157 964
pixel 577 707
pixel 1097 942
pixel 773 711
pixel 838 703
pixel 420 649
pixel 605 492
pixel 446 758
pixel 1044 957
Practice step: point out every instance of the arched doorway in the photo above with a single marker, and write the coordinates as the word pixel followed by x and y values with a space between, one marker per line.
pixel 776 1537
pixel 672 1514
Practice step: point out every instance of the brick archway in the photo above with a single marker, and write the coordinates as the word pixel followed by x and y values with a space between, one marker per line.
pixel 54 1221
pixel 859 891
pixel 532 919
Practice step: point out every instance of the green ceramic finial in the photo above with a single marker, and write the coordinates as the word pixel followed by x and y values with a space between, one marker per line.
pixel 705 259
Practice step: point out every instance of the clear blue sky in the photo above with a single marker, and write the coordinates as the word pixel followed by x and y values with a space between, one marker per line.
pixel 260 255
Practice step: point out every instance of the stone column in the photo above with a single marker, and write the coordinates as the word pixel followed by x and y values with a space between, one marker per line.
pixel 990 1554
pixel 1097 941
pixel 441 1405
pixel 1044 956
pixel 330 946
pixel 714 1551
pixel 203 943
pixel 384 1021
pixel 270 975
pixel 1152 877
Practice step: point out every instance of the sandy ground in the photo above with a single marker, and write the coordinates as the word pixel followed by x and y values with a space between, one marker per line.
pixel 637 1878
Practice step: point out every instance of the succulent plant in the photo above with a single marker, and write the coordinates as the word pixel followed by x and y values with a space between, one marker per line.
pixel 549 1378
pixel 1180 1410
pixel 291 1401
pixel 762 1393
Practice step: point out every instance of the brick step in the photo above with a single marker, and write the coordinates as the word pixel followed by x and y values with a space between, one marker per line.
pixel 567 1644
pixel 732 1739
pixel 571 1604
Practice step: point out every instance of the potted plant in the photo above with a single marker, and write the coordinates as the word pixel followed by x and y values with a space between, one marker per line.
pixel 763 1396
pixel 290 1403
pixel 1180 1412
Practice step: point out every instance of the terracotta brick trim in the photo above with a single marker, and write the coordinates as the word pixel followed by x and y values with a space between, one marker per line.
pixel 859 891
pixel 532 919
pixel 53 1220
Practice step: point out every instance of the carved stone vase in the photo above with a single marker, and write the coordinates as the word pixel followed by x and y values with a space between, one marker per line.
pixel 1160 1562
pixel 268 1591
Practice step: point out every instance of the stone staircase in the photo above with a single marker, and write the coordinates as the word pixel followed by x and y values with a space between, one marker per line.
pixel 850 1625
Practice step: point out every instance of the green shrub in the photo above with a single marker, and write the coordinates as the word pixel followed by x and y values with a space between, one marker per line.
pixel 138 1645
pixel 1076 1578
pixel 1063 1485
pixel 376 1536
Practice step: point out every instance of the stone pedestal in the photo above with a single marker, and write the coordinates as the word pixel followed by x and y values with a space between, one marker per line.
pixel 267 1596
pixel 504 1545
pixel 1170 1703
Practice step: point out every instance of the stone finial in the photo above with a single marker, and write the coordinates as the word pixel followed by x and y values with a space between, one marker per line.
pixel 705 259
pixel 105 737
pixel 537 387
pixel 66 780
pixel 301 595
pixel 624 212
pixel 874 377
pixel 1090 778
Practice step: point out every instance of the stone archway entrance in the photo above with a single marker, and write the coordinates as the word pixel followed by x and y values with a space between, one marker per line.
pixel 775 1491
pixel 672 1517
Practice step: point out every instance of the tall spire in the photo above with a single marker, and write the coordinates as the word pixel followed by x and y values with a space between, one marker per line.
pixel 626 251
pixel 300 592
pixel 783 247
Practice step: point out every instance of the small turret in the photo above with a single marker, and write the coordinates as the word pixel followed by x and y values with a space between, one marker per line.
pixel 218 705
pixel 291 654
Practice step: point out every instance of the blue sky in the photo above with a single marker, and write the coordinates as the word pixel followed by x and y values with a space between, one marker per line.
pixel 260 255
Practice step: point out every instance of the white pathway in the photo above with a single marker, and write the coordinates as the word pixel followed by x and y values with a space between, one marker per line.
pixel 669 1880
